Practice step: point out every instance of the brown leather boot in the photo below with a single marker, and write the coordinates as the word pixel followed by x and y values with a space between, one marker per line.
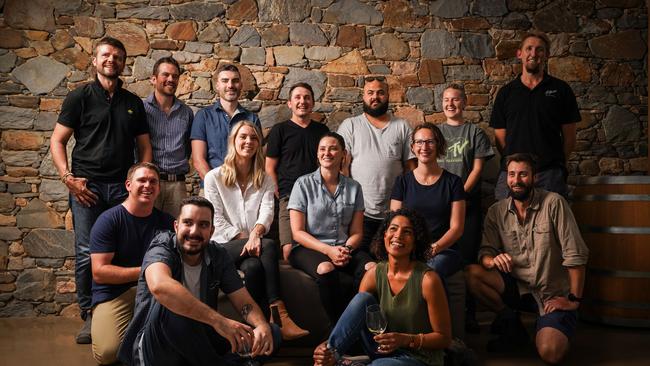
pixel 280 316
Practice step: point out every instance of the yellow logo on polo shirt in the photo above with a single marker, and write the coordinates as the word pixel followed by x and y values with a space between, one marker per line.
pixel 129 111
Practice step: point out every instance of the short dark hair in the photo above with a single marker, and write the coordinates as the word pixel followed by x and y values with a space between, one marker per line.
pixel 536 34
pixel 111 42
pixel 142 164
pixel 527 158
pixel 228 67
pixel 166 60
pixel 438 137
pixel 334 135
pixel 458 87
pixel 420 230
pixel 197 201
pixel 301 85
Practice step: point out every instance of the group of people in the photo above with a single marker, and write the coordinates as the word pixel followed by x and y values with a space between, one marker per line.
pixel 396 208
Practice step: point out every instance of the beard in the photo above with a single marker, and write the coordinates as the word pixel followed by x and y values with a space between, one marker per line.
pixel 521 195
pixel 381 109
pixel 191 250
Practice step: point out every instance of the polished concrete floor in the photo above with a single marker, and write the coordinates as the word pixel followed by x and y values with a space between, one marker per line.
pixel 50 341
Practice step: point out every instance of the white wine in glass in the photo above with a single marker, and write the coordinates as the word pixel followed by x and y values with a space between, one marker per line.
pixel 376 320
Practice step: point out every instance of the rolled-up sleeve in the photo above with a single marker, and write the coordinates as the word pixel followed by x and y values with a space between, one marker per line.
pixel 574 249
pixel 491 241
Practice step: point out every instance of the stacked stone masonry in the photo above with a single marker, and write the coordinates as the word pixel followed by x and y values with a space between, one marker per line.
pixel 599 47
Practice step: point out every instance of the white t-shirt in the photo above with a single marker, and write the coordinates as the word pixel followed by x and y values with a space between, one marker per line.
pixel 191 279
pixel 378 157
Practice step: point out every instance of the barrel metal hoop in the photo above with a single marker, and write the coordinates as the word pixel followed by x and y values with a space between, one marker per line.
pixel 615 229
pixel 618 273
pixel 627 179
pixel 611 197
pixel 622 322
pixel 618 304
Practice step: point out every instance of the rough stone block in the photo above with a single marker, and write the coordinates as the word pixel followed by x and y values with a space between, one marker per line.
pixel 35 285
pixel 276 35
pixel 215 33
pixel 387 46
pixel 352 12
pixel 49 243
pixel 37 215
pixel 288 55
pixel 437 44
pixel 22 140
pixel 351 63
pixel 41 74
pixel 242 10
pixel 246 36
pixel 303 34
pixel 623 45
pixel 284 11
pixel 86 26
pixel 253 56
pixel 181 31
pixel 195 10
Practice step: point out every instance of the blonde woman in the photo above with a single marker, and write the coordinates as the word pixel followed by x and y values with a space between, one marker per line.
pixel 242 195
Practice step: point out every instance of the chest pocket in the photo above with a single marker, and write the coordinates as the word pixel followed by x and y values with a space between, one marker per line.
pixel 394 151
pixel 542 232
pixel 511 243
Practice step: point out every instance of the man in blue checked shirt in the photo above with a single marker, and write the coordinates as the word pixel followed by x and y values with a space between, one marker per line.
pixel 170 121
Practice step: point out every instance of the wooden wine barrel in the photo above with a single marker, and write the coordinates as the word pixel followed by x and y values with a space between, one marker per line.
pixel 614 217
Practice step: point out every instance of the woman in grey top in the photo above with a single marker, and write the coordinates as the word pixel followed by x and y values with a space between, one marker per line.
pixel 326 212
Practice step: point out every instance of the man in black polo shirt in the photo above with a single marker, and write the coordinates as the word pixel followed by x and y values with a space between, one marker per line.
pixel 536 113
pixel 107 122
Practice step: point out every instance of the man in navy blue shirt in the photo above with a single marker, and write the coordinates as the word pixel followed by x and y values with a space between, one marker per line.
pixel 118 241
pixel 212 124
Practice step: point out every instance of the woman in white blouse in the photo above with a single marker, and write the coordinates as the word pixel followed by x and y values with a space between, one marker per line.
pixel 242 195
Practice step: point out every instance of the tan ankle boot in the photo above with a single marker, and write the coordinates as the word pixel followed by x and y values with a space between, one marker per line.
pixel 290 330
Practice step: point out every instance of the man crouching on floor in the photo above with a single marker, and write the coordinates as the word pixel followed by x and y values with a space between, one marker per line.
pixel 532 258
pixel 176 321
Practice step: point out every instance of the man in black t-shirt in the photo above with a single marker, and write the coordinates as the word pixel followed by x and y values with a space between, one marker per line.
pixel 536 113
pixel 107 122
pixel 118 241
pixel 291 153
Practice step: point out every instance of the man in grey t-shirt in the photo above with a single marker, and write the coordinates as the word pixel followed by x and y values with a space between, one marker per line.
pixel 378 151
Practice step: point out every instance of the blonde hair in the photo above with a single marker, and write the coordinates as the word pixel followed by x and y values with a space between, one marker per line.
pixel 228 169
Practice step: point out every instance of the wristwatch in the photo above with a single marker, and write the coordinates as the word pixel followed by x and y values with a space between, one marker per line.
pixel 574 298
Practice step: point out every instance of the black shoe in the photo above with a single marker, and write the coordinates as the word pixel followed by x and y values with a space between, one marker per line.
pixel 83 337
pixel 471 324
pixel 512 336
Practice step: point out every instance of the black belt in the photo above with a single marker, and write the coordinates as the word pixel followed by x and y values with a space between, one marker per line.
pixel 172 177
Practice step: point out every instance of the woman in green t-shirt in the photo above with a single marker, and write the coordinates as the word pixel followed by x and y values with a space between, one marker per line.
pixel 410 295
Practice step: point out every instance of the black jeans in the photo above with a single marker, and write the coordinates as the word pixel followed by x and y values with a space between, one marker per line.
pixel 332 295
pixel 370 227
pixel 170 339
pixel 261 274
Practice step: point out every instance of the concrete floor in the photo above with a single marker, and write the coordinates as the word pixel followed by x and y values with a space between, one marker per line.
pixel 50 341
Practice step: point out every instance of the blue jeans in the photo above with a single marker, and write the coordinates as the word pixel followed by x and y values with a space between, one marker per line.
pixel 352 327
pixel 446 263
pixel 83 219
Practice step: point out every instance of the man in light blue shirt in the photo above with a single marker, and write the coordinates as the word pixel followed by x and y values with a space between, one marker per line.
pixel 212 124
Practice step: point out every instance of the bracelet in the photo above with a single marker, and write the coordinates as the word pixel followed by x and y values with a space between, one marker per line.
pixel 66 175
pixel 421 337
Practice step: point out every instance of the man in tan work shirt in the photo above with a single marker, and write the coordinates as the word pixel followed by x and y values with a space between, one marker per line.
pixel 532 258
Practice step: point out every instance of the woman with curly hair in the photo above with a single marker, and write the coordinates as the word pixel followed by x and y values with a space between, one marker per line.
pixel 242 196
pixel 410 295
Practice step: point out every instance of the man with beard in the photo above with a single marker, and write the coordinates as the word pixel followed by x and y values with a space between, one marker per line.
pixel 176 320
pixel 536 113
pixel 291 153
pixel 169 121
pixel 107 122
pixel 212 124
pixel 532 258
pixel 118 241
pixel 378 151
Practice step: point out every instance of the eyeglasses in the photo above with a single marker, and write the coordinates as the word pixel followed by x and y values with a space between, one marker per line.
pixel 422 142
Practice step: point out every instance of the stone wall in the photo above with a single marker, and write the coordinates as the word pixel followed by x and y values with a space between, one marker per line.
pixel 45 51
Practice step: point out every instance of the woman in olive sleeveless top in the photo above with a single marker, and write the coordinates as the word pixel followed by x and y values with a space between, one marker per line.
pixel 408 292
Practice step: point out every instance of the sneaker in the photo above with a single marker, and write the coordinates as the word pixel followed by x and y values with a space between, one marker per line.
pixel 83 337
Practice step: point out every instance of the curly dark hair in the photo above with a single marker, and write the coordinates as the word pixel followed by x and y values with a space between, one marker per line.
pixel 420 229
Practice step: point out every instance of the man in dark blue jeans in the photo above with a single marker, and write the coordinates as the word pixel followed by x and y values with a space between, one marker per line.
pixel 107 122
pixel 176 321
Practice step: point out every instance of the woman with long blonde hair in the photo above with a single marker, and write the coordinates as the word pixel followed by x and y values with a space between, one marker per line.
pixel 242 195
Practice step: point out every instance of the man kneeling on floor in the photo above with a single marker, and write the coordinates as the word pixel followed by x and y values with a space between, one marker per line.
pixel 176 321
pixel 118 240
pixel 532 258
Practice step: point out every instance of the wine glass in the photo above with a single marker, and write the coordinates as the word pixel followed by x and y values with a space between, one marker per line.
pixel 376 320
pixel 245 351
